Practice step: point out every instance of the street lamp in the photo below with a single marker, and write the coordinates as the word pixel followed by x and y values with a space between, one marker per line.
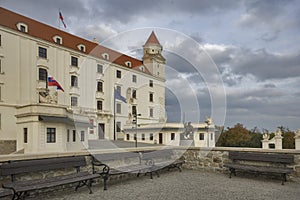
pixel 135 121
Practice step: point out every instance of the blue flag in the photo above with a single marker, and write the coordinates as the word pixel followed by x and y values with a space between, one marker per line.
pixel 119 96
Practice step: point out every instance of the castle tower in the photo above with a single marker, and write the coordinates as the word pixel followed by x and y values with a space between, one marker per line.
pixel 153 59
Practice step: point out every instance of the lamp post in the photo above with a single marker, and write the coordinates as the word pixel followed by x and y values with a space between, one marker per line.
pixel 135 121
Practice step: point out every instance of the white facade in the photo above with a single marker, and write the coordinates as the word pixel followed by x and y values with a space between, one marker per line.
pixel 42 118
pixel 169 134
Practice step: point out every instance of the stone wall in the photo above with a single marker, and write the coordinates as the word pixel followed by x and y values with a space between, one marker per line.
pixel 7 146
pixel 213 159
pixel 195 158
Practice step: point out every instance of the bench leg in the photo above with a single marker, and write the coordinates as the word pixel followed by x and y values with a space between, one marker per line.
pixel 105 178
pixel 283 178
pixel 19 195
pixel 232 171
pixel 87 183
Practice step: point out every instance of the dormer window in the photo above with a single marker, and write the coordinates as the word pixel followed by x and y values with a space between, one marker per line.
pixel 22 27
pixel 142 68
pixel 81 47
pixel 57 39
pixel 105 56
pixel 128 63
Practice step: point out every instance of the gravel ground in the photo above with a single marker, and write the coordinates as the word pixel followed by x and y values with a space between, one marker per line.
pixel 190 184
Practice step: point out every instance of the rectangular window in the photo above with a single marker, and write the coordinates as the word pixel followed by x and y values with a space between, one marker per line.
pixel 172 136
pixel 0 41
pixel 42 52
pixel 100 69
pixel 127 136
pixel 134 93
pixel 118 74
pixel 1 70
pixel 25 131
pixel 151 97
pixel 151 136
pixel 118 108
pixel 51 135
pixel 134 78
pixel 151 112
pixel 68 135
pixel 99 105
pixel 133 109
pixel 211 136
pixel 74 101
pixel 74 61
pixel 74 135
pixel 143 136
pixel 118 126
pixel 0 93
pixel 0 121
pixel 150 83
pixel 201 136
pixel 82 136
pixel 134 137
pixel 74 81
pixel 43 74
pixel 100 86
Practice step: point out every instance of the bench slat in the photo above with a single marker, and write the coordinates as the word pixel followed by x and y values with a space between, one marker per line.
pixel 260 168
pixel 263 157
pixel 5 192
pixel 19 167
pixel 30 185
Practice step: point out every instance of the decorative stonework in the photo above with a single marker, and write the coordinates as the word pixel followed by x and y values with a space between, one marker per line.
pixel 45 97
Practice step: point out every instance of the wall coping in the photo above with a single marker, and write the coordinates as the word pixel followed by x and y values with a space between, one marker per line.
pixel 5 158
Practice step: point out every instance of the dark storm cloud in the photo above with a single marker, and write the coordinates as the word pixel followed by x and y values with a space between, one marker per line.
pixel 263 12
pixel 264 65
pixel 126 11
pixel 47 11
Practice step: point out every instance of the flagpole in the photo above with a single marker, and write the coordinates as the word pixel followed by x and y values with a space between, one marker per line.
pixel 114 113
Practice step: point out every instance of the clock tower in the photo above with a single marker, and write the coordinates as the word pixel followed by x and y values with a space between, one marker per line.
pixel 153 59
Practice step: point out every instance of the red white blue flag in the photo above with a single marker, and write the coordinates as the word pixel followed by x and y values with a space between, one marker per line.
pixel 119 96
pixel 53 82
pixel 62 19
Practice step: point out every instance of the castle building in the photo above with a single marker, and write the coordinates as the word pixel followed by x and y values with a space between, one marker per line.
pixel 58 90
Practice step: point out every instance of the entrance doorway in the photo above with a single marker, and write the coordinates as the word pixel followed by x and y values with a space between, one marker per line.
pixel 160 138
pixel 101 131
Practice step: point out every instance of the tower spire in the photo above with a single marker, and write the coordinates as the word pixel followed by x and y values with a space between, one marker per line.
pixel 152 39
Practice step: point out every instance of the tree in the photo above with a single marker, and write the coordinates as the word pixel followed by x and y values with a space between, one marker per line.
pixel 237 136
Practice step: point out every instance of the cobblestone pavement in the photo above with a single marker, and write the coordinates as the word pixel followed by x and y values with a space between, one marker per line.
pixel 190 184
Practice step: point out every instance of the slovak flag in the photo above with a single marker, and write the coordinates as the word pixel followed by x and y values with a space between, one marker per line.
pixel 53 82
pixel 119 96
pixel 62 19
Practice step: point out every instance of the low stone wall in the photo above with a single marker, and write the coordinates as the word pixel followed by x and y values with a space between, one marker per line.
pixel 195 158
pixel 213 159
pixel 7 146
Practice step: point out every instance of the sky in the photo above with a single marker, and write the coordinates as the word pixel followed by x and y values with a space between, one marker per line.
pixel 237 61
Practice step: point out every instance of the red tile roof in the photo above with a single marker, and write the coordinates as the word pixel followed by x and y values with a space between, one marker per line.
pixel 45 32
pixel 152 39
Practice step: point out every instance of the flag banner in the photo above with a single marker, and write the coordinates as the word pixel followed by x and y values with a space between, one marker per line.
pixel 53 82
pixel 62 19
pixel 119 96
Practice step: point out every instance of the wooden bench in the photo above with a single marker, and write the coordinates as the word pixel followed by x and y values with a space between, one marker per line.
pixel 161 159
pixel 5 192
pixel 20 188
pixel 109 164
pixel 246 161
